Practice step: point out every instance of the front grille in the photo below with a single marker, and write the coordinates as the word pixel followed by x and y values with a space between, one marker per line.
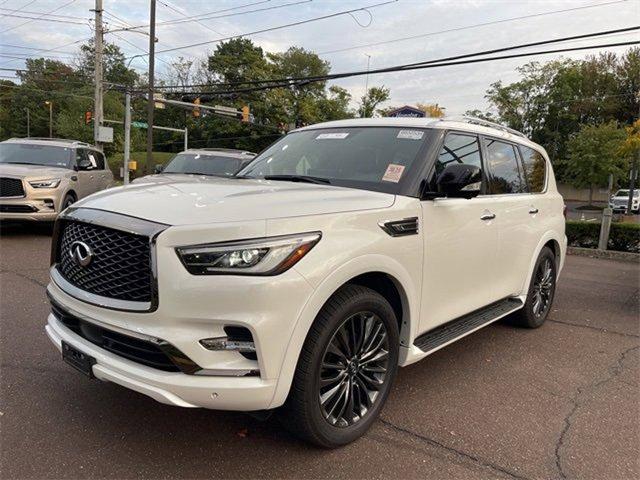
pixel 11 187
pixel 17 209
pixel 137 350
pixel 620 203
pixel 120 267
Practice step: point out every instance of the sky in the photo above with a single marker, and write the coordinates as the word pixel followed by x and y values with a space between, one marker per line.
pixel 440 28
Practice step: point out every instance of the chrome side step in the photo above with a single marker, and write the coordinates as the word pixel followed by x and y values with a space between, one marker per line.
pixel 444 334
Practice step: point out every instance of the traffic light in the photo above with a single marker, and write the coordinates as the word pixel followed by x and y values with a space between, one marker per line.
pixel 196 110
pixel 245 113
pixel 87 118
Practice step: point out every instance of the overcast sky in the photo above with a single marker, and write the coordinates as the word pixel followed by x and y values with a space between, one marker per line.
pixel 458 88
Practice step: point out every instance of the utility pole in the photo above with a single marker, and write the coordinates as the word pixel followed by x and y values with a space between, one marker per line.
pixel 98 113
pixel 634 171
pixel 150 103
pixel 49 103
pixel 127 135
pixel 28 124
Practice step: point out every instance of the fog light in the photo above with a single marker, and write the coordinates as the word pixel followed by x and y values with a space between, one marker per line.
pixel 224 343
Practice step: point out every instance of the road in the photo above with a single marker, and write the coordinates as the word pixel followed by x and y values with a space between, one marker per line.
pixel 561 401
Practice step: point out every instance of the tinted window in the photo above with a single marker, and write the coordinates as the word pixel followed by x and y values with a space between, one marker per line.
pixel 202 164
pixel 504 167
pixel 96 159
pixel 35 154
pixel 459 148
pixel 535 168
pixel 373 158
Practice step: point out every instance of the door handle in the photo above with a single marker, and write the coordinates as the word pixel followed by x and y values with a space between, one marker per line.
pixel 488 216
pixel 533 211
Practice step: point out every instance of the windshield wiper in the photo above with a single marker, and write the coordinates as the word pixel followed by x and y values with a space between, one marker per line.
pixel 299 178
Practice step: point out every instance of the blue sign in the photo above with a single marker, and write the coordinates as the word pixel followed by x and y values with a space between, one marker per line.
pixel 407 111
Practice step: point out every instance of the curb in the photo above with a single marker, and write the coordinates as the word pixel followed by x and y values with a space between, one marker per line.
pixel 608 254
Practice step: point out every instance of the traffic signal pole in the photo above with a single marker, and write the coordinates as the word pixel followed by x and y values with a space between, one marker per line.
pixel 127 136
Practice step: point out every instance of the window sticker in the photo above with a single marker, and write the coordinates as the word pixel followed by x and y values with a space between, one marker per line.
pixel 92 159
pixel 411 134
pixel 332 136
pixel 393 173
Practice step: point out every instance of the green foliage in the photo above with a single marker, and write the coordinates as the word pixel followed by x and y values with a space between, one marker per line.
pixel 371 99
pixel 553 100
pixel 623 237
pixel 593 155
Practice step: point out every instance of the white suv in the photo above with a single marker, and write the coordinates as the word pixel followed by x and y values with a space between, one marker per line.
pixel 344 250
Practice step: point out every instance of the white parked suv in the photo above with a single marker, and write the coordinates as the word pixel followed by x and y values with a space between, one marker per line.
pixel 344 250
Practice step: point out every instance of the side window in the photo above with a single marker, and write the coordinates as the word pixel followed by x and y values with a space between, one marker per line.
pixel 99 159
pixel 93 159
pixel 81 156
pixel 459 148
pixel 535 168
pixel 504 168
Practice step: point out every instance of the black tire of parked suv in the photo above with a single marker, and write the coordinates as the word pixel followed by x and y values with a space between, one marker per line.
pixel 68 200
pixel 542 288
pixel 303 413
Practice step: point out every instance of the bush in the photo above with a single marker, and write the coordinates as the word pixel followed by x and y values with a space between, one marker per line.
pixel 624 237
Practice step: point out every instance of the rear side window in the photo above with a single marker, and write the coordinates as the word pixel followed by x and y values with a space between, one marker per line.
pixel 504 168
pixel 535 169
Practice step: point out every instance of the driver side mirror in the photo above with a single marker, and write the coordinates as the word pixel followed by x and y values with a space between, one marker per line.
pixel 85 164
pixel 459 180
pixel 158 168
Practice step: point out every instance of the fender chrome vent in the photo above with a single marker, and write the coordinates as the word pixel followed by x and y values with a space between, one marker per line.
pixel 400 228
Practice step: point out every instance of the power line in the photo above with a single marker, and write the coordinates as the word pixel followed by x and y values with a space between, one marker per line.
pixel 43 14
pixel 27 12
pixel 19 9
pixel 457 29
pixel 46 91
pixel 420 66
pixel 290 80
pixel 53 49
pixel 171 7
pixel 199 16
pixel 279 27
pixel 33 48
pixel 42 19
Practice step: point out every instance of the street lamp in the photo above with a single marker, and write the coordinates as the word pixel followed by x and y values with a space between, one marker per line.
pixel 50 103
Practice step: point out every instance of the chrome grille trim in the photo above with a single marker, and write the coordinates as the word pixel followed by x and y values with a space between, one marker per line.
pixel 114 221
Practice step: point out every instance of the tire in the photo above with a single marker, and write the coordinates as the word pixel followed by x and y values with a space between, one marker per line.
pixel 68 201
pixel 542 288
pixel 367 320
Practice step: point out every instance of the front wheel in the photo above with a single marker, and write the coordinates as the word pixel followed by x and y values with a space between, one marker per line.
pixel 542 289
pixel 345 370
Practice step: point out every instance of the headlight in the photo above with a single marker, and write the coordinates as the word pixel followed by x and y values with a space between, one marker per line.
pixel 49 183
pixel 263 256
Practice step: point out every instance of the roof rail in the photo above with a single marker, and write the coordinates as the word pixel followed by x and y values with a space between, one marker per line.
pixel 484 123
pixel 230 150
pixel 49 139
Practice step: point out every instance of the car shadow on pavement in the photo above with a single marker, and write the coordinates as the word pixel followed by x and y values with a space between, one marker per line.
pixel 8 229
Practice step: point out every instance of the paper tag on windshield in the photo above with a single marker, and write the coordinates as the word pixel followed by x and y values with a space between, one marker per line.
pixel 332 136
pixel 393 173
pixel 411 134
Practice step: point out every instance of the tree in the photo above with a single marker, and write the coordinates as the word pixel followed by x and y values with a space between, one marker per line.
pixel 594 153
pixel 431 109
pixel 113 61
pixel 371 99
pixel 552 101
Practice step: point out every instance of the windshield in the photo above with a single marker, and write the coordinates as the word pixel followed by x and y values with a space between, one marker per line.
pixel 203 164
pixel 35 154
pixel 371 158
pixel 625 193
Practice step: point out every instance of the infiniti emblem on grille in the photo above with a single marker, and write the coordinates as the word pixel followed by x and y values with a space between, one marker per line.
pixel 81 253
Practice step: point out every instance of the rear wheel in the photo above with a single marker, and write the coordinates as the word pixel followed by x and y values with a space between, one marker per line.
pixel 345 370
pixel 541 292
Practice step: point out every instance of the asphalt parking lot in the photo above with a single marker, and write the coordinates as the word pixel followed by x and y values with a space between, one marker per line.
pixel 562 401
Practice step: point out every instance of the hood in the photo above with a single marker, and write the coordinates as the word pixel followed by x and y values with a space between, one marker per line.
pixel 39 171
pixel 172 178
pixel 213 199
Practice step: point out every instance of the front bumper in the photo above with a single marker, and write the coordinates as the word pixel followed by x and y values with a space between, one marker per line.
pixel 178 389
pixel 26 209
